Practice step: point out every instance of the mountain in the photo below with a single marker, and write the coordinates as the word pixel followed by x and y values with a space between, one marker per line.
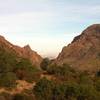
pixel 84 51
pixel 23 52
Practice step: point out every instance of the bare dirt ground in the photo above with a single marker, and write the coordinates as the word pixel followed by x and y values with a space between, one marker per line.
pixel 21 86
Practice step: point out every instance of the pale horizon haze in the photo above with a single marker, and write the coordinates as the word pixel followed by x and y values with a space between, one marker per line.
pixel 46 25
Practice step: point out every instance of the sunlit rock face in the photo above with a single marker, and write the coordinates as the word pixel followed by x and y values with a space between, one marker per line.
pixel 24 52
pixel 84 51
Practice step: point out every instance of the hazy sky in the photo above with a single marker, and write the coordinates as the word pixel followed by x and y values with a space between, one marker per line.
pixel 47 25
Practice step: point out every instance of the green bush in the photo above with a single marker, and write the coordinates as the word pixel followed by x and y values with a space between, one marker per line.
pixel 85 78
pixel 44 64
pixel 6 96
pixel 43 89
pixel 71 90
pixel 7 61
pixel 59 92
pixel 26 71
pixel 2 98
pixel 99 54
pixel 97 85
pixel 22 97
pixel 87 92
pixel 11 63
pixel 8 79
pixel 50 90
pixel 63 72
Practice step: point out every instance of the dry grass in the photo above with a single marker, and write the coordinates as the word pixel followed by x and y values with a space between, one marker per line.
pixel 21 86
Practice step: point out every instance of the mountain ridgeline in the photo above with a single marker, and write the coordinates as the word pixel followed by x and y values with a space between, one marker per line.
pixel 22 52
pixel 84 51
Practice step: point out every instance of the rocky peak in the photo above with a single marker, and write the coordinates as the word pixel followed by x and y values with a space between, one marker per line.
pixel 2 38
pixel 91 31
pixel 84 50
pixel 27 47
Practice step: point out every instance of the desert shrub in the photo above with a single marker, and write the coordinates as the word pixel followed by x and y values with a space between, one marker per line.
pixel 99 54
pixel 44 64
pixel 65 91
pixel 11 63
pixel 98 73
pixel 59 92
pixel 97 85
pixel 22 97
pixel 87 92
pixel 71 90
pixel 6 96
pixel 63 72
pixel 8 79
pixel 50 90
pixel 2 98
pixel 26 71
pixel 52 69
pixel 43 89
pixel 85 78
pixel 7 61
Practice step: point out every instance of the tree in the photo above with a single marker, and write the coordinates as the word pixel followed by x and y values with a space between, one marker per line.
pixel 8 79
pixel 7 61
pixel 71 90
pixel 87 92
pixel 59 92
pixel 26 71
pixel 43 89
pixel 44 64
pixel 62 72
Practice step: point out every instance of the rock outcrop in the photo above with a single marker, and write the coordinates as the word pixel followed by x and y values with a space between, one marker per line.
pixel 84 51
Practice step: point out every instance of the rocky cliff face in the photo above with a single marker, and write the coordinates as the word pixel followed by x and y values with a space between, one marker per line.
pixel 84 51
pixel 24 52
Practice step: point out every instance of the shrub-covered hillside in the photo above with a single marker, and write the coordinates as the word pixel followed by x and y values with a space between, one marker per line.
pixel 68 84
pixel 14 68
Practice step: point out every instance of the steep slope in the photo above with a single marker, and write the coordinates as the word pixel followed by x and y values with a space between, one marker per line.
pixel 84 51
pixel 24 52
